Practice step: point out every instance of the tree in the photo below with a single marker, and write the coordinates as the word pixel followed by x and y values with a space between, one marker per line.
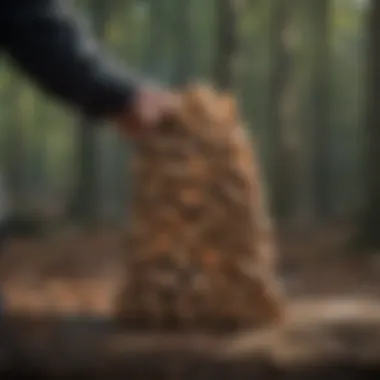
pixel 226 43
pixel 369 235
pixel 320 114
pixel 282 112
pixel 183 52
pixel 85 203
pixel 14 147
pixel 157 37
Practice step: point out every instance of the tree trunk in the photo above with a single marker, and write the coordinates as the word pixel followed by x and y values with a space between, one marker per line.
pixel 86 197
pixel 319 118
pixel 282 114
pixel 14 148
pixel 157 38
pixel 227 43
pixel 369 236
pixel 85 193
pixel 183 42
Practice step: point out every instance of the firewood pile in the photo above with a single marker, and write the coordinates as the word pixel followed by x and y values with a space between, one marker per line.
pixel 200 245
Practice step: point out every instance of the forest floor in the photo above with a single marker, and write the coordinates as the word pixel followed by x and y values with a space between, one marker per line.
pixel 86 269
pixel 81 273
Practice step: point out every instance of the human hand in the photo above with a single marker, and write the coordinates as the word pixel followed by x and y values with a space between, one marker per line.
pixel 149 108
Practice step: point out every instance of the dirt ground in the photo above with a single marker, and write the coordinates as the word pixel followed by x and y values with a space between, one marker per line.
pixel 84 271
pixel 333 297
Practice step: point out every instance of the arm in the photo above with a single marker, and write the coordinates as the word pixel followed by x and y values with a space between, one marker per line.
pixel 51 45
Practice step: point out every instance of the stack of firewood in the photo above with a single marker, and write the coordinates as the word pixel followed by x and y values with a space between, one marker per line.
pixel 200 247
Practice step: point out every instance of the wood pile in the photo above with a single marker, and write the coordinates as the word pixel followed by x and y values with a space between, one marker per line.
pixel 200 246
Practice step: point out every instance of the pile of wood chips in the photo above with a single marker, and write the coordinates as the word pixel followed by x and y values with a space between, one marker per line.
pixel 200 251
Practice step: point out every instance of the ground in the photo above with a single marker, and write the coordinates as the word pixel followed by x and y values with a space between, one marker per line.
pixel 311 264
pixel 334 314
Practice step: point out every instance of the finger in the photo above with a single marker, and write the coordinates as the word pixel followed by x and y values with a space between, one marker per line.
pixel 150 115
pixel 172 105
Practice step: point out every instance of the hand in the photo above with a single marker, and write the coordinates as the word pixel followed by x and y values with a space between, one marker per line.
pixel 150 107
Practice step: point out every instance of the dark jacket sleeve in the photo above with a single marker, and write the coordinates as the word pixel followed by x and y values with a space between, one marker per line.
pixel 51 44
